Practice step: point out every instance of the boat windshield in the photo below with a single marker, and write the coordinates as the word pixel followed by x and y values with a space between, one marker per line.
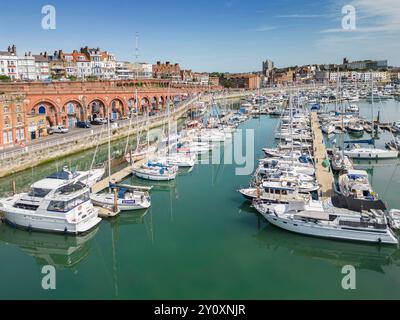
pixel 39 192
pixel 65 206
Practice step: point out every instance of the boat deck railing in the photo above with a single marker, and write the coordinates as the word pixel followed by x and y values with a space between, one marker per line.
pixel 362 224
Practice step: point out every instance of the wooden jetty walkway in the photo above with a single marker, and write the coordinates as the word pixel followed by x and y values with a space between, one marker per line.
pixel 324 175
pixel 115 178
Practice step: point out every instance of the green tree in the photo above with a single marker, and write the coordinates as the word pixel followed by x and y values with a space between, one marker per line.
pixel 4 78
pixel 91 78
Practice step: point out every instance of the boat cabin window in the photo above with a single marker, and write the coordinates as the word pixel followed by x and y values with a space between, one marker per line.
pixel 65 206
pixel 366 193
pixel 39 192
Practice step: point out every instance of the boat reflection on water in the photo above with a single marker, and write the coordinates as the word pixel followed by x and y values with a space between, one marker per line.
pixel 60 251
pixel 337 253
pixel 130 218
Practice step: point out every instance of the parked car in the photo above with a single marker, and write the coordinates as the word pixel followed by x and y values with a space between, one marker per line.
pixel 59 129
pixel 83 124
pixel 99 121
pixel 111 120
pixel 49 130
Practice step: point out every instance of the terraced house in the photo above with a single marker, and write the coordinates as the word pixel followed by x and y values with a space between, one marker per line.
pixel 12 121
pixel 9 63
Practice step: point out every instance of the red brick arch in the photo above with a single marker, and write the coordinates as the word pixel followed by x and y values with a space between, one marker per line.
pixel 144 101
pixel 102 110
pixel 52 111
pixel 80 114
pixel 58 95
pixel 118 105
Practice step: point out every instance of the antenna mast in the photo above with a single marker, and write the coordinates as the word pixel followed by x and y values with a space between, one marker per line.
pixel 137 54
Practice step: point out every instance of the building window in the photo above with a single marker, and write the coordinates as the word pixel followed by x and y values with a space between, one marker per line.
pixel 42 109
pixel 6 121
pixel 7 137
pixel 19 119
pixel 6 109
pixel 20 134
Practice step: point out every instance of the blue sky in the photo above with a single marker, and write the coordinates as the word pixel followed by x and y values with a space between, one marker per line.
pixel 219 35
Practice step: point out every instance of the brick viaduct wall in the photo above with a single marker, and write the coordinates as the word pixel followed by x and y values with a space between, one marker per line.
pixel 68 102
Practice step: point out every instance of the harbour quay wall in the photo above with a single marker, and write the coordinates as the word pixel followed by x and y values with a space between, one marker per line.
pixel 85 139
pixel 46 151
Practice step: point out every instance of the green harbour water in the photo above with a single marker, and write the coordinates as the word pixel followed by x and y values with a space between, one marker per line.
pixel 199 240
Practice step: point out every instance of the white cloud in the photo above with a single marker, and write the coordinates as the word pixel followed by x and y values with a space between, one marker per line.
pixel 373 16
pixel 377 28
pixel 375 36
pixel 297 15
pixel 264 28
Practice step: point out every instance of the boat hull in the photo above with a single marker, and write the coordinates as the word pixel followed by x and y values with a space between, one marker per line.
pixel 31 221
pixel 123 204
pixel 338 233
pixel 365 155
pixel 154 177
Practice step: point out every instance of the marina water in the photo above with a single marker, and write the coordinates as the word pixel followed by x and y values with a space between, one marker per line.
pixel 200 240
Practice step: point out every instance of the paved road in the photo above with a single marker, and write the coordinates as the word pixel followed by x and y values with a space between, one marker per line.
pixel 75 133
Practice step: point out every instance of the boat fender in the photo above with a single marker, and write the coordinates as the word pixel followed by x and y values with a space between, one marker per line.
pixel 65 230
pixel 379 240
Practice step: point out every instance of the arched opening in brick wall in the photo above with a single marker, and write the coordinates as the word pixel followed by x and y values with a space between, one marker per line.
pixel 117 109
pixel 50 110
pixel 73 112
pixel 97 109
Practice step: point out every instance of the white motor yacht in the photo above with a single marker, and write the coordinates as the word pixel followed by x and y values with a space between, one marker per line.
pixel 274 192
pixel 333 224
pixel 66 208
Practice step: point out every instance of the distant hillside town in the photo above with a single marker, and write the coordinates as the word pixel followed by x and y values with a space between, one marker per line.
pixel 95 64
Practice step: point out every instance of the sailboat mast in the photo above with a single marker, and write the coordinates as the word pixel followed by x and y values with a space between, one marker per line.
pixel 372 107
pixel 342 115
pixel 169 124
pixel 337 89
pixel 137 121
pixel 109 145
